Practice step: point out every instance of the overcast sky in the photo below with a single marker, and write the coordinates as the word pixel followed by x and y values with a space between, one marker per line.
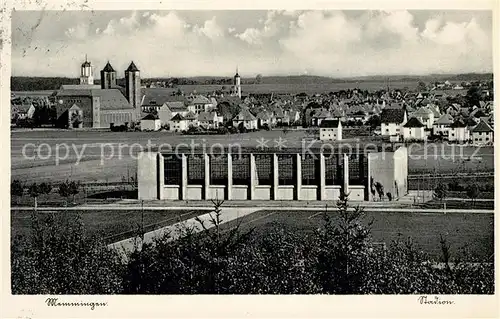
pixel 192 43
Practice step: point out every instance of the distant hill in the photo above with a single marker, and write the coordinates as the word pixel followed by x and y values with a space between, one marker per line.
pixel 53 83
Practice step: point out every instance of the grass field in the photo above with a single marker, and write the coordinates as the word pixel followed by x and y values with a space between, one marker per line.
pixel 472 230
pixel 111 156
pixel 112 226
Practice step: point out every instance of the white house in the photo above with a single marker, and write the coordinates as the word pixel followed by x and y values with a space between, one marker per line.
pixel 459 132
pixel 482 133
pixel 330 130
pixel 245 118
pixel 414 130
pixel 178 123
pixel 150 122
pixel 208 120
pixel 265 117
pixel 192 119
pixel 392 120
pixel 442 125
pixel 200 104
pixel 424 115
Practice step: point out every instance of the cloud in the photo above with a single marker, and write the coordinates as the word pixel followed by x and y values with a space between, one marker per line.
pixel 79 32
pixel 271 27
pixel 330 43
pixel 251 36
pixel 210 29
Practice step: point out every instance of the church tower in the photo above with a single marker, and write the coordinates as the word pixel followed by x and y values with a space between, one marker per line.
pixel 108 77
pixel 237 84
pixel 133 87
pixel 86 75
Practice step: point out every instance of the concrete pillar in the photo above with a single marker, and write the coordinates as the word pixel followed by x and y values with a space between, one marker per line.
pixel 253 177
pixel 229 186
pixel 147 176
pixel 206 187
pixel 184 175
pixel 346 173
pixel 322 172
pixel 275 176
pixel 298 184
pixel 161 175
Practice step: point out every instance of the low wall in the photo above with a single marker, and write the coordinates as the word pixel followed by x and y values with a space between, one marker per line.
pixel 194 192
pixel 332 192
pixel 239 192
pixel 216 192
pixel 285 192
pixel 171 192
pixel 356 192
pixel 262 192
pixel 308 192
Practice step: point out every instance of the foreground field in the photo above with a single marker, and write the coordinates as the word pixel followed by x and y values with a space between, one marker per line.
pixel 474 231
pixel 93 156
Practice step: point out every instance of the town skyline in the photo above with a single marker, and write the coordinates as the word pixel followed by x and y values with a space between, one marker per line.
pixel 271 43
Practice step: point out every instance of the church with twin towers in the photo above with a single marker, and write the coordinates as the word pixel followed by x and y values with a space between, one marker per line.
pixel 100 106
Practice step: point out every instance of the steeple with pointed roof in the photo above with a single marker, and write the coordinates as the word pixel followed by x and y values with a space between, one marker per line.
pixel 108 68
pixel 133 86
pixel 132 67
pixel 108 77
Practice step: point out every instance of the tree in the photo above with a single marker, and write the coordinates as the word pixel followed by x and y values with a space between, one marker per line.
pixel 473 96
pixel 34 191
pixel 472 192
pixel 441 191
pixel 69 188
pixel 45 188
pixel 63 189
pixel 342 248
pixel 421 87
pixel 258 79
pixel 74 189
pixel 374 121
pixel 16 189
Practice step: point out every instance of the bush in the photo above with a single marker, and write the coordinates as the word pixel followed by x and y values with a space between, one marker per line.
pixel 233 130
pixel 58 258
pixel 223 130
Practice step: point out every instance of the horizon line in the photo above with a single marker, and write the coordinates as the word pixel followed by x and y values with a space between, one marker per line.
pixel 282 75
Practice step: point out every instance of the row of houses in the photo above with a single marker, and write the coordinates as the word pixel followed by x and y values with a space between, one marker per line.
pixel 397 124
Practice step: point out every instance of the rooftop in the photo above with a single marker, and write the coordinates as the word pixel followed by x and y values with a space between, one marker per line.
pixel 482 127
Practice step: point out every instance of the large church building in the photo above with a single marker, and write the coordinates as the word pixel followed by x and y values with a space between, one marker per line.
pixel 92 106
